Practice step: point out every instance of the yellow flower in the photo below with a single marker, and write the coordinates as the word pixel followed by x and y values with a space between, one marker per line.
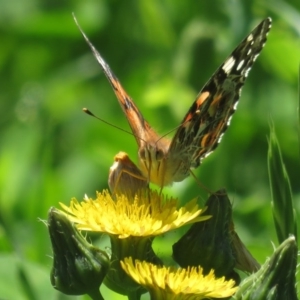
pixel 149 214
pixel 169 283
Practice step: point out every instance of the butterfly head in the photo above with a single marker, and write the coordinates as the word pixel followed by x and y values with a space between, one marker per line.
pixel 152 159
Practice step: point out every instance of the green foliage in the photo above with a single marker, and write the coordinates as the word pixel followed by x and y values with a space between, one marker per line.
pixel 163 52
pixel 283 211
pixel 275 280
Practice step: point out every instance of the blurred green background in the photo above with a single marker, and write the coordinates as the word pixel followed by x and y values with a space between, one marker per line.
pixel 163 52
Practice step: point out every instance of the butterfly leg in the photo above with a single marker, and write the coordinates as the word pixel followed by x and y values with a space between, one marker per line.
pixel 125 177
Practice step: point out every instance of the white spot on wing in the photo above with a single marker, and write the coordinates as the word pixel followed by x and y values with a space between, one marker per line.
pixel 247 72
pixel 255 57
pixel 235 105
pixel 250 37
pixel 240 65
pixel 206 154
pixel 229 120
pixel 220 137
pixel 229 63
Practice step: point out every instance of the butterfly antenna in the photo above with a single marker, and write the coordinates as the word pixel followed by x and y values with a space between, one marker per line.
pixel 180 125
pixel 167 133
pixel 88 112
pixel 174 129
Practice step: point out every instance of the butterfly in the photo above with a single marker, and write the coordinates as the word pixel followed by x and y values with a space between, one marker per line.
pixel 163 161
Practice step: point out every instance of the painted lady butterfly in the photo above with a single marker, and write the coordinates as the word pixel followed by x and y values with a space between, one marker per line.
pixel 163 161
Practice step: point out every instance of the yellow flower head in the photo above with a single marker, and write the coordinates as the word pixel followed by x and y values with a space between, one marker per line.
pixel 147 215
pixel 170 283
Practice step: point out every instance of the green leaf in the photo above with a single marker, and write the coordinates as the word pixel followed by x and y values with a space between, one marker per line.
pixel 282 202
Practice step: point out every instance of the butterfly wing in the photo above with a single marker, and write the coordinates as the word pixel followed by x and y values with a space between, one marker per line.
pixel 139 126
pixel 204 124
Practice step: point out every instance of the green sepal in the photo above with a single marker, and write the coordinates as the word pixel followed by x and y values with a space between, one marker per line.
pixel 209 243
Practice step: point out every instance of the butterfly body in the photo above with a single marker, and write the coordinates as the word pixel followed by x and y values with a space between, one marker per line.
pixel 160 166
pixel 164 161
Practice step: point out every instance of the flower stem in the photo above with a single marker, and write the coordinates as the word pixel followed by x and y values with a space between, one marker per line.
pixel 95 295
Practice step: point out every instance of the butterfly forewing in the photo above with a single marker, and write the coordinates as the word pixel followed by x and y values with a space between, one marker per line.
pixel 204 124
pixel 139 126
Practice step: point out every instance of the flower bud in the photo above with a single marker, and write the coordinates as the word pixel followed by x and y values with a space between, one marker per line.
pixel 208 244
pixel 78 267
pixel 275 280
